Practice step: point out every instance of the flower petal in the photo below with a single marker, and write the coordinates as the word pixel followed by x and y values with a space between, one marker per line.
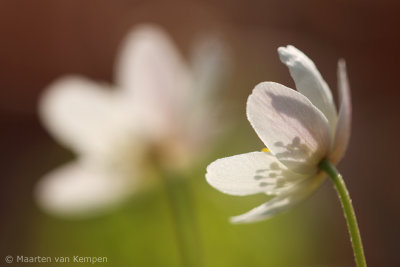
pixel 154 77
pixel 79 190
pixel 282 202
pixel 250 173
pixel 309 81
pixel 294 130
pixel 210 64
pixel 343 129
pixel 82 115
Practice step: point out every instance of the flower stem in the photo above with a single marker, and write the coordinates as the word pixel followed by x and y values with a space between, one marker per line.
pixel 180 234
pixel 182 207
pixel 348 210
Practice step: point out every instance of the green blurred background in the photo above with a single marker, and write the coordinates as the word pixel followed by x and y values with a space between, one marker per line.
pixel 42 40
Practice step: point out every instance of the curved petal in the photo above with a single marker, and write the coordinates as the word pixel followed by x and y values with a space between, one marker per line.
pixel 210 64
pixel 282 202
pixel 294 130
pixel 309 81
pixel 343 129
pixel 154 77
pixel 79 190
pixel 250 173
pixel 82 115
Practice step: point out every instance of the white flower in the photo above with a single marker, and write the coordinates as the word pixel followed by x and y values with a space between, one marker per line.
pixel 299 128
pixel 151 115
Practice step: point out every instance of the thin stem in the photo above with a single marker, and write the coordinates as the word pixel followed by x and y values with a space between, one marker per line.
pixel 183 211
pixel 173 203
pixel 348 209
pixel 188 200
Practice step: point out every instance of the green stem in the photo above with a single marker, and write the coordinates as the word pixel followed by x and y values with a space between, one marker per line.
pixel 173 203
pixel 348 209
pixel 194 235
pixel 183 211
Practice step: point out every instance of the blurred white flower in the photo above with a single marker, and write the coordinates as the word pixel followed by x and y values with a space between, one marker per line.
pixel 156 113
pixel 299 129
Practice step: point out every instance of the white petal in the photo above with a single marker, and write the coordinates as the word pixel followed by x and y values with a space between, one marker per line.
pixel 250 173
pixel 210 64
pixel 294 130
pixel 282 202
pixel 154 77
pixel 343 129
pixel 210 67
pixel 79 190
pixel 309 81
pixel 82 115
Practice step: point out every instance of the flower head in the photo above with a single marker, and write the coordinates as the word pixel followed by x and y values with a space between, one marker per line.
pixel 151 114
pixel 299 128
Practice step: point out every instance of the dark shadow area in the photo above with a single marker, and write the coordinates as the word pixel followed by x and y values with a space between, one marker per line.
pixel 274 180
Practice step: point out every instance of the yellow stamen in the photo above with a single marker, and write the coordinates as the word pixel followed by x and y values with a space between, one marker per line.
pixel 265 150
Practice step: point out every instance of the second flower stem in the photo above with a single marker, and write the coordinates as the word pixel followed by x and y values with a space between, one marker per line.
pixel 348 210
pixel 173 203
pixel 182 207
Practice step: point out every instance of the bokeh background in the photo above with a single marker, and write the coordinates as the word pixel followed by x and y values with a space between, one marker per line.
pixel 42 40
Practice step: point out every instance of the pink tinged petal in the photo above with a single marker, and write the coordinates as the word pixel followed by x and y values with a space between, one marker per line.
pixel 154 78
pixel 343 129
pixel 210 66
pixel 282 202
pixel 79 190
pixel 293 129
pixel 83 115
pixel 309 81
pixel 251 173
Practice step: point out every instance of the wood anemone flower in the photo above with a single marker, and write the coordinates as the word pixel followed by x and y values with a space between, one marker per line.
pixel 149 117
pixel 299 128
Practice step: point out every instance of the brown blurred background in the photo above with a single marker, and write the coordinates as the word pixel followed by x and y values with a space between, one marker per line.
pixel 41 40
